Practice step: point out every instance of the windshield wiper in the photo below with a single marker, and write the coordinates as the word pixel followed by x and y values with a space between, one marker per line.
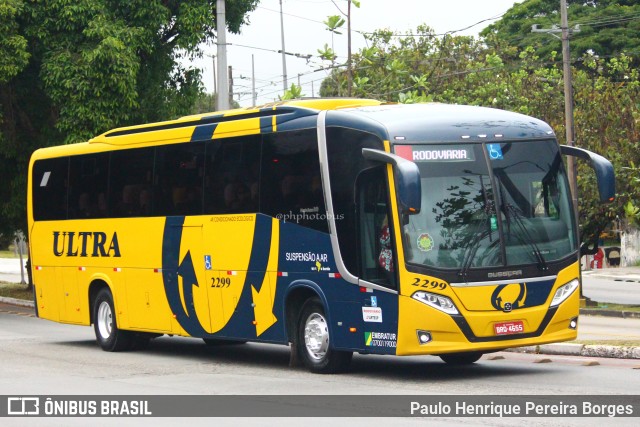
pixel 525 237
pixel 511 211
pixel 472 249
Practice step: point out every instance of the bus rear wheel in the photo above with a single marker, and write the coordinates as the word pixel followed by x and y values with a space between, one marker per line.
pixel 105 326
pixel 314 343
pixel 461 358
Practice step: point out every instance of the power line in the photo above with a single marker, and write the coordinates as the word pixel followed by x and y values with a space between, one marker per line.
pixel 621 18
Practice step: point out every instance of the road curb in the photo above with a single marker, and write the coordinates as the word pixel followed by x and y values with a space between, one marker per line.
pixel 18 302
pixel 583 350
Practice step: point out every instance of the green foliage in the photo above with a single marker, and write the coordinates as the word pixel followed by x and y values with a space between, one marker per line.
pixel 73 69
pixel 326 53
pixel 632 206
pixel 607 27
pixel 333 23
pixel 206 103
pixel 13 46
pixel 294 92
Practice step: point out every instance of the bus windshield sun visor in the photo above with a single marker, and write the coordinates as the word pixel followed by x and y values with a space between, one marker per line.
pixel 407 177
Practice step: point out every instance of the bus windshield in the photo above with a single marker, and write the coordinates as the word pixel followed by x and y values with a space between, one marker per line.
pixel 489 205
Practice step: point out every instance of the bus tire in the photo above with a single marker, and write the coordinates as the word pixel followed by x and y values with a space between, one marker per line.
pixel 461 358
pixel 105 326
pixel 314 342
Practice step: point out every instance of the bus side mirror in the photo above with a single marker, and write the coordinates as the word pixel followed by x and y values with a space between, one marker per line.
pixel 407 178
pixel 602 167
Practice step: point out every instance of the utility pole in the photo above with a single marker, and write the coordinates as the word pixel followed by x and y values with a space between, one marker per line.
pixel 215 84
pixel 254 95
pixel 568 100
pixel 568 93
pixel 284 57
pixel 222 100
pixel 349 69
pixel 230 86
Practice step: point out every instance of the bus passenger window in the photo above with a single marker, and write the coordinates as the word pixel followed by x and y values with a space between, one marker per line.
pixel 232 167
pixel 131 173
pixel 237 197
pixel 129 204
pixel 178 180
pixel 290 183
pixel 88 177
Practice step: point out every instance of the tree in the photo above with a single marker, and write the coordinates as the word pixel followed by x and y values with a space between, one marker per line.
pixel 607 27
pixel 93 65
pixel 294 92
pixel 14 57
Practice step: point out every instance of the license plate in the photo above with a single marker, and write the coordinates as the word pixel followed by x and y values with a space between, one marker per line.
pixel 508 328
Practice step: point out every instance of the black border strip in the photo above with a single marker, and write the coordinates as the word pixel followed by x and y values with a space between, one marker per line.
pixel 468 333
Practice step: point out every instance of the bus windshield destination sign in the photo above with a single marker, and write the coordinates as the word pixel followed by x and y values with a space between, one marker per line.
pixel 435 153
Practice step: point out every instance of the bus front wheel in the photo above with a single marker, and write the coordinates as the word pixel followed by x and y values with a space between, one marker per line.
pixel 105 326
pixel 461 358
pixel 314 343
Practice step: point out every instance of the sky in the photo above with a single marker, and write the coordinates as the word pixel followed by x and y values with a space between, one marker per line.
pixel 305 33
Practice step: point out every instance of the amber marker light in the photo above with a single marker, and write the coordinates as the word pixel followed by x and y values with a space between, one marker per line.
pixel 352 329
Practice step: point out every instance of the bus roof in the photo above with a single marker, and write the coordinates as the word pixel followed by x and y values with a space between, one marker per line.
pixel 394 122
pixel 228 123
pixel 447 123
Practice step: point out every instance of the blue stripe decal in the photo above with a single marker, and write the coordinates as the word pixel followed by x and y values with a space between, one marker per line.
pixel 204 132
pixel 171 268
pixel 266 122
pixel 241 323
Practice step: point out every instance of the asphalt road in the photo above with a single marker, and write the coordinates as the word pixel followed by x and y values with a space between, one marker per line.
pixel 39 357
pixel 609 290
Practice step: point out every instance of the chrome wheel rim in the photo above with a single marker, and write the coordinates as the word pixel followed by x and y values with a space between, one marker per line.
pixel 316 336
pixel 105 320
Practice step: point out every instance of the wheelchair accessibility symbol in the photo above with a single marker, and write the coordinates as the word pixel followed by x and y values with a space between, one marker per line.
pixel 495 151
pixel 207 262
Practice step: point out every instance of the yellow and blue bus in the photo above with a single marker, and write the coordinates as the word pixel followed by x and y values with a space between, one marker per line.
pixel 331 225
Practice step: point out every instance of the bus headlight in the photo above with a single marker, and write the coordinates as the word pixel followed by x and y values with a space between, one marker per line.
pixel 436 301
pixel 564 292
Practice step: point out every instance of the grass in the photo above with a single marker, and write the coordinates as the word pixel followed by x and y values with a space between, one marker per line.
pixel 15 290
pixel 615 307
pixel 8 254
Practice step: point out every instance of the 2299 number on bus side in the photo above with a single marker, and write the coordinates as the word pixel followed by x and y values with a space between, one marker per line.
pixel 508 328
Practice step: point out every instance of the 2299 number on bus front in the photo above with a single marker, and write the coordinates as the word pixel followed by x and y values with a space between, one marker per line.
pixel 507 328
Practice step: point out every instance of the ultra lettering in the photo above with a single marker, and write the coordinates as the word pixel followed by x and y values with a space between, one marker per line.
pixel 85 244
